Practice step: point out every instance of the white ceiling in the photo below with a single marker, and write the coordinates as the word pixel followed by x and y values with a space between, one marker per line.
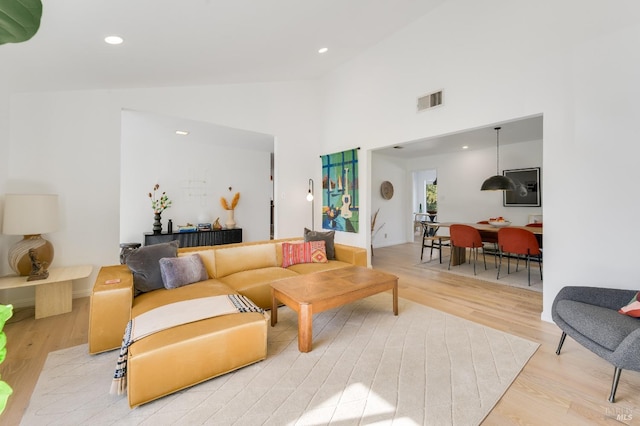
pixel 523 130
pixel 196 42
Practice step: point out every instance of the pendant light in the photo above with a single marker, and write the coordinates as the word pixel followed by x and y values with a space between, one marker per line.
pixel 498 182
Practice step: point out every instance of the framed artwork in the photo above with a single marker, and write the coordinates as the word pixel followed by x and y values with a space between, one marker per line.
pixel 340 194
pixel 528 191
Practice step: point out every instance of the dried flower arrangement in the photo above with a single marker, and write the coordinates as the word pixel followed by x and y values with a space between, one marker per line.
pixel 159 204
pixel 234 202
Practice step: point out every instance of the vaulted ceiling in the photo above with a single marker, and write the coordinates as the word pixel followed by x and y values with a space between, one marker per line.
pixel 195 42
pixel 198 42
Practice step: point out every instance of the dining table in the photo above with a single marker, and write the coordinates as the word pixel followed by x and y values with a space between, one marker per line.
pixel 488 233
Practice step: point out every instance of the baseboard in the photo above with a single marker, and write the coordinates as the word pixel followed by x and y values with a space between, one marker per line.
pixel 387 244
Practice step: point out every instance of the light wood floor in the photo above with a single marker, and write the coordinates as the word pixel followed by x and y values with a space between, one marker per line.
pixel 570 389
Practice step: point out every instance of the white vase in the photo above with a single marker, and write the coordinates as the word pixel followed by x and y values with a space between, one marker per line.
pixel 231 223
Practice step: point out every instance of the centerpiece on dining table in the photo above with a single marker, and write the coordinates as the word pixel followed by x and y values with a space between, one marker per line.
pixel 499 222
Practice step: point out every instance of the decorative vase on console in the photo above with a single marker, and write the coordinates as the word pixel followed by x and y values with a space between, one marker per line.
pixel 157 225
pixel 230 207
pixel 231 223
pixel 158 204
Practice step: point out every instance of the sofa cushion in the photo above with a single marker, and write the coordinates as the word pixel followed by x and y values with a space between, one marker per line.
pixel 301 252
pixel 144 263
pixel 244 258
pixel 255 283
pixel 604 326
pixel 632 308
pixel 327 237
pixel 309 268
pixel 208 257
pixel 179 271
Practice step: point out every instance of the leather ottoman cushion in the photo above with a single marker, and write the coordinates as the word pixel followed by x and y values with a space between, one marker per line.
pixel 183 356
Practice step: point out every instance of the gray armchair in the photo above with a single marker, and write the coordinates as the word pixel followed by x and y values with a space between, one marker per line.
pixel 590 316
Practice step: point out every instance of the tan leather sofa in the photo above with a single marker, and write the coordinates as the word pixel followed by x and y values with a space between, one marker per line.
pixel 182 356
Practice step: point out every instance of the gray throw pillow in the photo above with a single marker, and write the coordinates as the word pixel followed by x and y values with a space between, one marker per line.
pixel 327 237
pixel 180 271
pixel 144 263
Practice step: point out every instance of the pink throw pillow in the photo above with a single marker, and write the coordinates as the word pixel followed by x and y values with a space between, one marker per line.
pixel 309 252
pixel 632 308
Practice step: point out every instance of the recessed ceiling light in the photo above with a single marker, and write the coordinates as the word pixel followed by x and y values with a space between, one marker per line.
pixel 323 50
pixel 465 147
pixel 182 132
pixel 113 39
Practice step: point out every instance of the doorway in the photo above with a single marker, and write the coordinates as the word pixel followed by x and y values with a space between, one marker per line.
pixel 425 199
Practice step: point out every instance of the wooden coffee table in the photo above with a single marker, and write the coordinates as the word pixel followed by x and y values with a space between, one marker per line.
pixel 312 293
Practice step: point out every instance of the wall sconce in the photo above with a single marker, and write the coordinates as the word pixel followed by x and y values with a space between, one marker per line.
pixel 30 215
pixel 310 198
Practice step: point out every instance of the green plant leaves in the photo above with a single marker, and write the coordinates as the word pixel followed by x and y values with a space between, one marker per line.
pixel 5 392
pixel 19 20
pixel 6 311
pixel 3 346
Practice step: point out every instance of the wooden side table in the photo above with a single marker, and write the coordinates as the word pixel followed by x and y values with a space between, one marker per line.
pixel 54 293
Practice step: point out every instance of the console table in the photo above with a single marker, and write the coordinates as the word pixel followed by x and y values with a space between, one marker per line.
pixel 54 293
pixel 198 238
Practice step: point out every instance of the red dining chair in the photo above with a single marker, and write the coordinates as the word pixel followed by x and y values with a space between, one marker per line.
pixel 466 237
pixel 520 242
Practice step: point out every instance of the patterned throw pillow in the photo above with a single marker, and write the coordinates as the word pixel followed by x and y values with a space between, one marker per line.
pixel 309 252
pixel 632 308
pixel 327 237
pixel 318 252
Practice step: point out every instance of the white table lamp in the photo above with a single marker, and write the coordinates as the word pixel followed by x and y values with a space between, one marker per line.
pixel 30 215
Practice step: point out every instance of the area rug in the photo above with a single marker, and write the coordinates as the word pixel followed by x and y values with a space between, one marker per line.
pixel 367 366
pixel 514 279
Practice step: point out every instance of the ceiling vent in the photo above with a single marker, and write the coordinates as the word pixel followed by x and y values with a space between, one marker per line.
pixel 429 101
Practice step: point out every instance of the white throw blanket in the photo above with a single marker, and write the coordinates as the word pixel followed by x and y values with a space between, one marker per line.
pixel 172 315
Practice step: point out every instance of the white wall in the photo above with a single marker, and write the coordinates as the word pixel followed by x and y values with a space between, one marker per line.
pixel 289 111
pixel 195 171
pixel 4 167
pixel 69 143
pixel 574 62
pixel 392 212
pixel 459 175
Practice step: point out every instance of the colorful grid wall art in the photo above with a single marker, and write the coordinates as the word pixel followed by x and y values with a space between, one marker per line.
pixel 340 195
